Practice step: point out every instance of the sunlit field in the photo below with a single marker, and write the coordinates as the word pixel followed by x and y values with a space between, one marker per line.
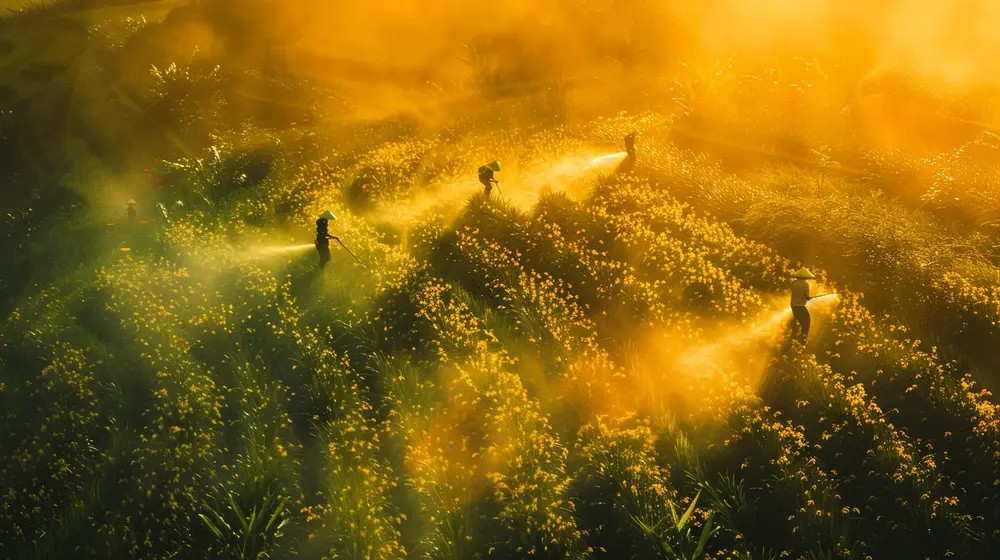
pixel 594 357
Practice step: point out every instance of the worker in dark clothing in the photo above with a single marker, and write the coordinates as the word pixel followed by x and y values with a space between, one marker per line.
pixel 801 294
pixel 487 179
pixel 629 162
pixel 323 237
pixel 131 211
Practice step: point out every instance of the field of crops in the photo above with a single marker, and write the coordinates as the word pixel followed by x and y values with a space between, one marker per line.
pixel 595 362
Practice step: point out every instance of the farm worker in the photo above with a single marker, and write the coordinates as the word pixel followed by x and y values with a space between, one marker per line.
pixel 131 209
pixel 629 162
pixel 800 297
pixel 323 237
pixel 486 177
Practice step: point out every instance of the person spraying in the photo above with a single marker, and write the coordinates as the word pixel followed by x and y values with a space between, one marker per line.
pixel 629 162
pixel 486 177
pixel 801 294
pixel 131 210
pixel 323 237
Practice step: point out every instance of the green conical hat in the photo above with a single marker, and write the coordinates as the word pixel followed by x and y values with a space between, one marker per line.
pixel 805 274
pixel 328 215
pixel 494 165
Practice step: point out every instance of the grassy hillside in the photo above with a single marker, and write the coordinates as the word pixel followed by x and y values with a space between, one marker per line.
pixel 591 364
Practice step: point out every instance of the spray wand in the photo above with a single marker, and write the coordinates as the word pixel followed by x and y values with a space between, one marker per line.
pixel 499 192
pixel 349 252
pixel 823 295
